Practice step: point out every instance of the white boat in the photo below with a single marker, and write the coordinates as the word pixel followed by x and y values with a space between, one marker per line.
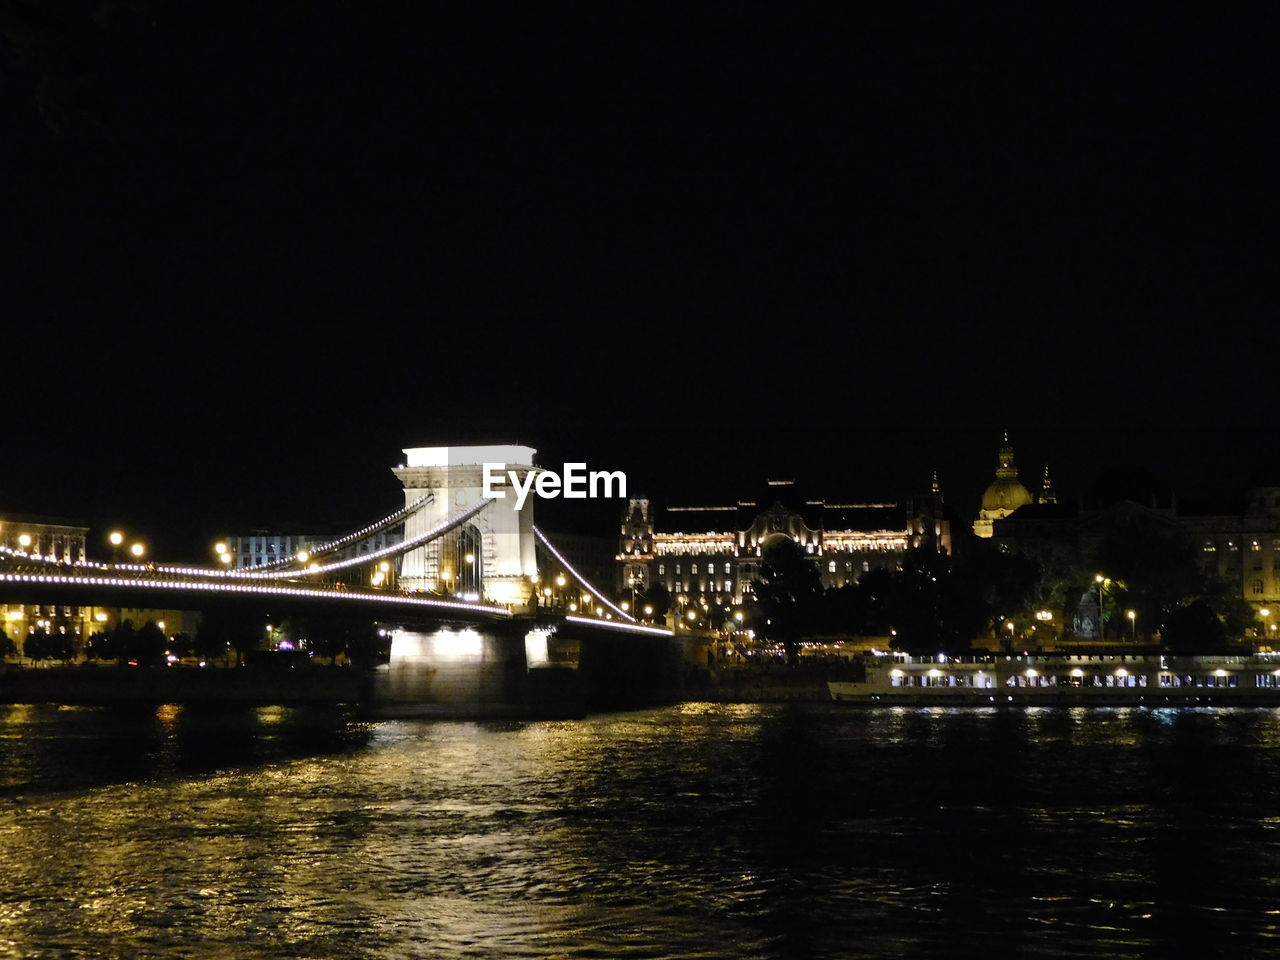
pixel 1067 678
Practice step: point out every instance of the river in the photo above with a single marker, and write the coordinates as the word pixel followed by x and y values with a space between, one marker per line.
pixel 701 830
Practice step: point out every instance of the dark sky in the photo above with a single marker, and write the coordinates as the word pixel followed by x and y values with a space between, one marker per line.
pixel 258 248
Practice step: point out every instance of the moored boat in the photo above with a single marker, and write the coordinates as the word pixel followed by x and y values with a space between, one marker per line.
pixel 1066 678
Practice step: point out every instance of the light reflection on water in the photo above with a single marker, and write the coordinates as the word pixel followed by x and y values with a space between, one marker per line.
pixel 694 831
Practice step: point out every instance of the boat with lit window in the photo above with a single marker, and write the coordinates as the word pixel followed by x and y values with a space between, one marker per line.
pixel 1066 678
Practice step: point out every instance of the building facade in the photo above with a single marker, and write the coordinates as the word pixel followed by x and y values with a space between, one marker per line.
pixel 714 553
pixel 1239 547
pixel 259 547
pixel 53 540
pixel 1006 492
pixel 64 541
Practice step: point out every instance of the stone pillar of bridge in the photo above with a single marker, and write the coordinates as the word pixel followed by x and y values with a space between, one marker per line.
pixel 455 476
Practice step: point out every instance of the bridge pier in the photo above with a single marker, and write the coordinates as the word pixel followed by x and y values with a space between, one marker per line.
pixel 474 671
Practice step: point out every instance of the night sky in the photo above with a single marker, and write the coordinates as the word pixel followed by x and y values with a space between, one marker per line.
pixel 257 249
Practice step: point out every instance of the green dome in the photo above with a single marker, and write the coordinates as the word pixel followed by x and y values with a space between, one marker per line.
pixel 1005 493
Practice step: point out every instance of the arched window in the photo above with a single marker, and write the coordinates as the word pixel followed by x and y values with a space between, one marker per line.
pixel 469 560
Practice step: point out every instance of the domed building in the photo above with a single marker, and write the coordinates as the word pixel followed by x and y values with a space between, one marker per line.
pixel 1005 495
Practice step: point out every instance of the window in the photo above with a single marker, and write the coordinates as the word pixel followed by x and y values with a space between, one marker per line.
pixel 728 587
pixel 726 566
pixel 693 568
pixel 662 569
pixel 831 567
pixel 1210 547
pixel 1257 586
pixel 677 569
pixel 1255 546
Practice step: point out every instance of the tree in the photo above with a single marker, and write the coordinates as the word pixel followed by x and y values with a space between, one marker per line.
pixel 657 597
pixel 789 593
pixel 42 645
pixel 102 646
pixel 1152 562
pixel 149 645
pixel 180 645
pixel 1195 628
pixel 8 648
pixel 226 633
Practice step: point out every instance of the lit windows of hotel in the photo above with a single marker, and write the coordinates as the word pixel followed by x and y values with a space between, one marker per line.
pixel 49 539
pixel 714 552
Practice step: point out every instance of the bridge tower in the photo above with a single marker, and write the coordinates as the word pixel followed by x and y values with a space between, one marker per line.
pixel 492 554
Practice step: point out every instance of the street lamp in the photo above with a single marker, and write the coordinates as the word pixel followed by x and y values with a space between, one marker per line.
pixel 115 538
pixel 1133 619
pixel 1101 581
pixel 137 550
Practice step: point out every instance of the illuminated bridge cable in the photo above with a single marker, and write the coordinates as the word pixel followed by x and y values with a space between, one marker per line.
pixel 542 538
pixel 151 582
pixel 245 573
pixel 395 549
pixel 351 538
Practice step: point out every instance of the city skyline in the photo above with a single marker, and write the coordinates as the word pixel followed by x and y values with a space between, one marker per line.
pixel 169 518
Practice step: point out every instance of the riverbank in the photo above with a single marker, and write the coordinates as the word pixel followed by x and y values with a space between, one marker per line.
pixel 105 685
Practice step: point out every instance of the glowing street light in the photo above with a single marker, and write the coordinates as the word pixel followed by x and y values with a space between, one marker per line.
pixel 1133 619
pixel 1101 581
pixel 24 540
pixel 115 538
pixel 137 550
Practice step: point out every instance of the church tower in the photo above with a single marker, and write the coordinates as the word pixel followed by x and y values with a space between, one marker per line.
pixel 1046 488
pixel 1004 495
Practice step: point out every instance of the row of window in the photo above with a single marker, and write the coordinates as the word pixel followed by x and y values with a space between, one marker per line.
pixel 702 586
pixel 1211 546
pixel 1202 680
pixel 693 568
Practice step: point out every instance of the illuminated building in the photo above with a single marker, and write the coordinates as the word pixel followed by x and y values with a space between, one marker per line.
pixel 261 547
pixel 54 540
pixel 1239 546
pixel 1005 494
pixel 713 553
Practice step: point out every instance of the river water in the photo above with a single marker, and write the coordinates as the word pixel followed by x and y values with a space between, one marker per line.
pixel 701 830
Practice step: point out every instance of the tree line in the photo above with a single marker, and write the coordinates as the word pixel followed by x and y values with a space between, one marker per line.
pixel 934 602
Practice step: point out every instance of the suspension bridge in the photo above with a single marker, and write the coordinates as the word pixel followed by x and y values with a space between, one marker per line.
pixel 466 612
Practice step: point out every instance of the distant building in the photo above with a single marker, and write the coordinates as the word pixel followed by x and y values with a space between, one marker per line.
pixel 259 547
pixel 1005 494
pixel 51 539
pixel 64 541
pixel 1239 546
pixel 713 553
